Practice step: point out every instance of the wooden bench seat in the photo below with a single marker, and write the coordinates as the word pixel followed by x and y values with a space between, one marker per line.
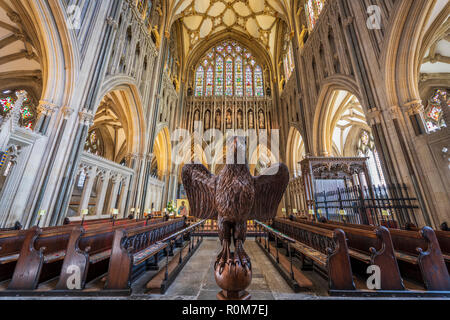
pixel 101 256
pixel 55 256
pixel 326 249
pixel 443 237
pixel 315 255
pixel 149 252
pixel 43 253
pixel 10 245
pixel 8 259
pixel 90 251
pixel 131 248
pixel 412 251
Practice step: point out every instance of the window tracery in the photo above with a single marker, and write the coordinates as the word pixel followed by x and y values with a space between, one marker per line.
pixel 224 68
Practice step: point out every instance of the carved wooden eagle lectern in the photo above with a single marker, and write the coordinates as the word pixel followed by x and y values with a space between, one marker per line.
pixel 233 197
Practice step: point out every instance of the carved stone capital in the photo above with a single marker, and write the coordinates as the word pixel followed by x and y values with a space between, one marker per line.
pixel 67 112
pixel 46 108
pixel 14 17
pixel 116 178
pixel 111 22
pixel 86 117
pixel 373 117
pixel 413 107
pixel 392 112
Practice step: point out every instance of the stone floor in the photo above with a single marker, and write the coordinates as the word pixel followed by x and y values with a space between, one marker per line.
pixel 196 282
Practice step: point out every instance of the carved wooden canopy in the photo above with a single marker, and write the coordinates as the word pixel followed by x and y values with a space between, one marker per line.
pixel 333 168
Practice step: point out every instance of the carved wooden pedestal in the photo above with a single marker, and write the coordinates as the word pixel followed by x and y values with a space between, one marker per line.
pixel 234 279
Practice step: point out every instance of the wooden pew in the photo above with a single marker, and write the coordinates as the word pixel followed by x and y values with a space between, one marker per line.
pixel 326 249
pixel 132 248
pixel 371 247
pixel 443 237
pixel 42 255
pixel 88 252
pixel 10 245
pixel 412 261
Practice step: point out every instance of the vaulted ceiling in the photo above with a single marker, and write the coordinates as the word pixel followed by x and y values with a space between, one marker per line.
pixel 18 55
pixel 255 19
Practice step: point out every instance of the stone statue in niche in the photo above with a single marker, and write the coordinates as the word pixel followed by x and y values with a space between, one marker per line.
pixel 229 120
pixel 251 120
pixel 240 120
pixel 196 118
pixel 218 120
pixel 262 120
pixel 232 198
pixel 207 120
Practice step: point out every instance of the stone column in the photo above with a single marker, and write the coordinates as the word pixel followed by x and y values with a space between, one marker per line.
pixel 104 178
pixel 91 174
pixel 123 197
pixel 116 178
pixel 166 189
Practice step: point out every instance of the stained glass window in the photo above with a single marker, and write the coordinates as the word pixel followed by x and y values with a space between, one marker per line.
pixel 286 68
pixel 248 81
pixel 291 59
pixel 209 81
pixel 229 69
pixel 239 82
pixel 94 144
pixel 27 111
pixel 366 148
pixel 200 76
pixel 229 77
pixel 259 89
pixel 313 8
pixel 288 63
pixel 434 113
pixel 219 76
pixel 7 104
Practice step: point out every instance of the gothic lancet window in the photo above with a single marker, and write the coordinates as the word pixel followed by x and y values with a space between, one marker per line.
pixel 259 89
pixel 434 112
pixel 229 69
pixel 229 77
pixel 239 82
pixel 199 81
pixel 366 148
pixel 248 81
pixel 219 76
pixel 209 81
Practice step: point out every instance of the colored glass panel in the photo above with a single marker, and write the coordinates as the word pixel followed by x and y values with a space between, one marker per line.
pixel 209 81
pixel 199 82
pixel 7 104
pixel 259 85
pixel 229 77
pixel 248 81
pixel 239 82
pixel 434 115
pixel 219 76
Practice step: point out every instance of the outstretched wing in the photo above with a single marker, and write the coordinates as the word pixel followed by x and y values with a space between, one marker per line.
pixel 269 189
pixel 200 186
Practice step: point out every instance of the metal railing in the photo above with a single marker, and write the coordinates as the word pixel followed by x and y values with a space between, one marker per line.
pixel 378 205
